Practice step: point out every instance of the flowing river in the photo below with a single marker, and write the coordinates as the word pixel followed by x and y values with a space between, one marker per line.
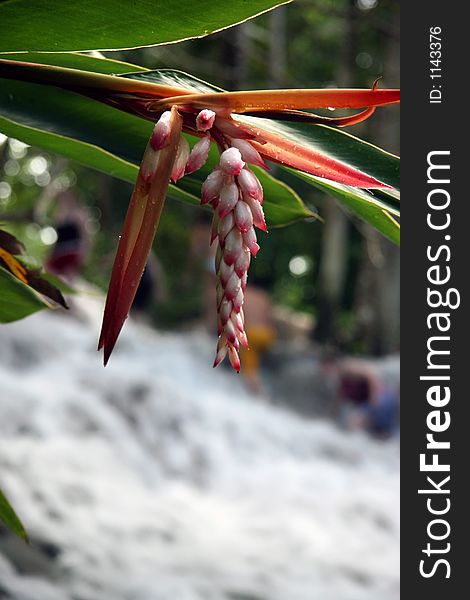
pixel 159 478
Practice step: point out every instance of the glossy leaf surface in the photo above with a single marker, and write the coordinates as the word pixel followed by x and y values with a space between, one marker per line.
pixel 57 26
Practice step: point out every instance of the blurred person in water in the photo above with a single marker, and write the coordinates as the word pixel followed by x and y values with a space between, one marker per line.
pixel 363 400
pixel 261 334
pixel 71 248
pixel 68 255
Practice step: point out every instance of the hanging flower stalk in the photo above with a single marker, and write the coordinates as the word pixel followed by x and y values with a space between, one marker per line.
pixel 236 195
pixel 232 189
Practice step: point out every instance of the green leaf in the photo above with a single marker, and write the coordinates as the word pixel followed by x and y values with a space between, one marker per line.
pixel 10 518
pixel 361 203
pixel 59 283
pixel 107 139
pixel 17 299
pixel 58 26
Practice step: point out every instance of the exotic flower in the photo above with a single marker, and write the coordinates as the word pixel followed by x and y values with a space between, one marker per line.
pixel 233 191
pixel 239 123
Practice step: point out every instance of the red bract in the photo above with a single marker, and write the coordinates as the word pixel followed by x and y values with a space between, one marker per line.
pixel 139 230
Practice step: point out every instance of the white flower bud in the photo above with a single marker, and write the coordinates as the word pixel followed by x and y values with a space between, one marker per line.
pixel 249 154
pixel 243 262
pixel 238 301
pixel 232 246
pixel 250 185
pixel 243 216
pixel 231 161
pixel 149 163
pixel 181 159
pixel 228 199
pixel 205 119
pixel 225 311
pixel 224 273
pixel 198 155
pixel 249 238
pixel 225 226
pixel 234 358
pixel 212 186
pixel 256 211
pixel 233 286
pixel 161 131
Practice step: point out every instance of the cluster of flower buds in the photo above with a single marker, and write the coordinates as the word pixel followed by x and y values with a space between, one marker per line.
pixel 236 195
pixel 232 189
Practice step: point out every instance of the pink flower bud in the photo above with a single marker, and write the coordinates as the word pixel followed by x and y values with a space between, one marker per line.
pixel 234 358
pixel 231 161
pixel 225 226
pixel 221 350
pixel 149 163
pixel 161 131
pixel 233 286
pixel 249 154
pixel 241 335
pixel 228 199
pixel 229 331
pixel 243 216
pixel 243 262
pixel 205 120
pixel 249 239
pixel 237 321
pixel 198 155
pixel 233 246
pixel 244 279
pixel 236 344
pixel 212 186
pixel 180 160
pixel 250 185
pixel 225 311
pixel 238 301
pixel 256 211
pixel 225 272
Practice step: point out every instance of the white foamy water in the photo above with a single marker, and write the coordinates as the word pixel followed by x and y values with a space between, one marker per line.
pixel 159 478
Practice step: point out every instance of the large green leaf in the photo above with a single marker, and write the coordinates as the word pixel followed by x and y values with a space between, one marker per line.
pixel 18 300
pixel 104 138
pixel 57 26
pixel 10 518
pixel 362 203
